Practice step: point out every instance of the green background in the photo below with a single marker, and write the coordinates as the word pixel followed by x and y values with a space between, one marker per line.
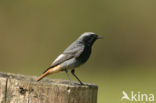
pixel 34 32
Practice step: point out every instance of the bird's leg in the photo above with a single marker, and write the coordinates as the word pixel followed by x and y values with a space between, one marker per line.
pixel 73 72
pixel 68 75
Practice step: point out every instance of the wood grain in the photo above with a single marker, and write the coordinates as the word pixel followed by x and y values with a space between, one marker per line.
pixel 15 88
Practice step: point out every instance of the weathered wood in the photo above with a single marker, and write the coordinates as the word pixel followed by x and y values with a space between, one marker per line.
pixel 15 88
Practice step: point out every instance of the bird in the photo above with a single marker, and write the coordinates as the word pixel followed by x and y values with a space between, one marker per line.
pixel 73 56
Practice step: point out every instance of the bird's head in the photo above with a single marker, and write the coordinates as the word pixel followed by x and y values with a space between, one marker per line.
pixel 88 38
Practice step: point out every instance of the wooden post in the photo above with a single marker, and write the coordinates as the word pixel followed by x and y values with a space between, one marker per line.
pixel 15 88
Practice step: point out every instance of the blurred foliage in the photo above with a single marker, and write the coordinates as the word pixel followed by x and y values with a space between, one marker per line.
pixel 34 32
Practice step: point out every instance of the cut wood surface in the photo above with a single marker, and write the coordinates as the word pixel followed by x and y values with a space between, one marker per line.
pixel 15 88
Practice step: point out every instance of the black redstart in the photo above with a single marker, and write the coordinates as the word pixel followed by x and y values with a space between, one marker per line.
pixel 74 56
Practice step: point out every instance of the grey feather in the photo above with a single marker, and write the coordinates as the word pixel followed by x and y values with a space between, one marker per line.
pixel 73 52
pixel 78 51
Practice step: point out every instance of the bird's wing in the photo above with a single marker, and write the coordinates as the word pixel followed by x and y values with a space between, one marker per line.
pixel 75 52
pixel 66 55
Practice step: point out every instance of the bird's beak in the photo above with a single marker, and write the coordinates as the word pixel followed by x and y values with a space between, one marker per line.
pixel 99 37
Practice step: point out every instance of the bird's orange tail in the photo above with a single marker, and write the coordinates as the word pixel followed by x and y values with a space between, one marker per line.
pixel 49 71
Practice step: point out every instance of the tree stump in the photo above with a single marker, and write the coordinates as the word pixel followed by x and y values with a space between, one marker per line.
pixel 15 88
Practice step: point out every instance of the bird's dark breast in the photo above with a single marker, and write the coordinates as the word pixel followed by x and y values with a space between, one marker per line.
pixel 84 55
